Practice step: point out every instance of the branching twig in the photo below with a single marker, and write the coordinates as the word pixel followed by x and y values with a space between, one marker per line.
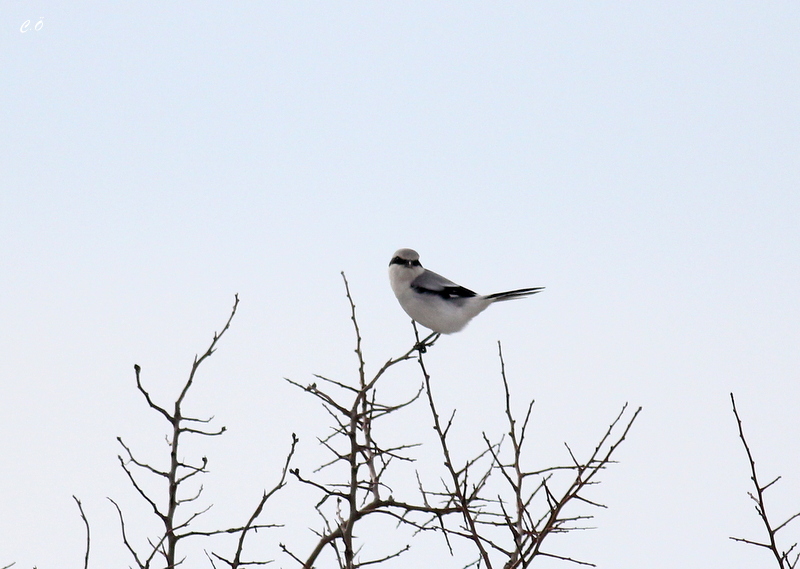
pixel 491 500
pixel 782 557
pixel 458 494
pixel 179 472
pixel 527 529
pixel 237 562
pixel 352 445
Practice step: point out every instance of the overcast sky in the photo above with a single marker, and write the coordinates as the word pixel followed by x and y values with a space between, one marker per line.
pixel 640 160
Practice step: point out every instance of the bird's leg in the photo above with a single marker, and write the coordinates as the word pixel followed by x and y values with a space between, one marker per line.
pixel 431 339
pixel 423 345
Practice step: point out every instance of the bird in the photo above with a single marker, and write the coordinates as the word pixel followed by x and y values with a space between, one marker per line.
pixel 436 302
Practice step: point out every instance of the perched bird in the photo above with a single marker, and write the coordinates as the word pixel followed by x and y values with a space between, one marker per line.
pixel 436 302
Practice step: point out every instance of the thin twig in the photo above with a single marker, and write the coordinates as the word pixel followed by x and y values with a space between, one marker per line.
pixel 88 536
pixel 257 512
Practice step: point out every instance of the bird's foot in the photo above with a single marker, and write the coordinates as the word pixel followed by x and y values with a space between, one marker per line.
pixel 423 345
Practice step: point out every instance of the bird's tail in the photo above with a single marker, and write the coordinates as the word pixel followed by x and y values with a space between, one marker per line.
pixel 512 294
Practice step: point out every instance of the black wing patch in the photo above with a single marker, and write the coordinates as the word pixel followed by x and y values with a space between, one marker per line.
pixel 446 292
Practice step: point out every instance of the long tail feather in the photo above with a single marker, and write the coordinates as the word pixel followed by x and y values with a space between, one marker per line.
pixel 512 294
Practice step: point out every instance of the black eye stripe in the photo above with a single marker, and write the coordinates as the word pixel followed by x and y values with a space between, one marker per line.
pixel 400 261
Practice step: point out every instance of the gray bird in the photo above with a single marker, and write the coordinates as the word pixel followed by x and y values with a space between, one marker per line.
pixel 436 302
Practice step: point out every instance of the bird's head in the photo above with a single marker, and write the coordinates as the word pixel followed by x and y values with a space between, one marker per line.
pixel 404 266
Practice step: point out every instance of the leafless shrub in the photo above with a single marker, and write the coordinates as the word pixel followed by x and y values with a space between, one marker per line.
pixel 527 508
pixel 363 491
pixel 174 510
pixel 506 528
pixel 492 500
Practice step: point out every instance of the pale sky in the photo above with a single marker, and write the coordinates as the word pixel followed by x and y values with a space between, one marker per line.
pixel 640 160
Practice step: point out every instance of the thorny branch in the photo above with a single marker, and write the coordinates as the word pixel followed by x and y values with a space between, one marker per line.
pixel 531 515
pixel 491 500
pixel 458 493
pixel 527 528
pixel 782 557
pixel 353 446
pixel 178 473
pixel 237 562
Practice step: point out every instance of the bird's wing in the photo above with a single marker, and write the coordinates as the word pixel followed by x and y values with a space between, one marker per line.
pixel 431 283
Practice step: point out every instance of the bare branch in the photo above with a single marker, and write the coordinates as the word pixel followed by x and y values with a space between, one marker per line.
pixel 208 352
pixel 179 471
pixel 458 495
pixel 88 535
pixel 138 463
pixel 570 559
pixel 782 557
pixel 515 513
pixel 251 525
pixel 353 446
pixel 125 536
pixel 144 392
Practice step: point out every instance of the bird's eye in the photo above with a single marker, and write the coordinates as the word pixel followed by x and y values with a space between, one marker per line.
pixel 404 262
